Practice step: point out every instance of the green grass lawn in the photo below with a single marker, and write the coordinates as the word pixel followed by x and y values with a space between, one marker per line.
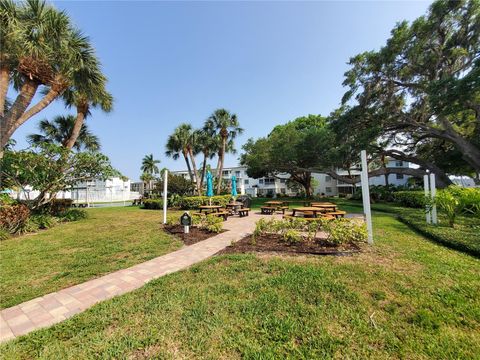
pixel 71 253
pixel 405 297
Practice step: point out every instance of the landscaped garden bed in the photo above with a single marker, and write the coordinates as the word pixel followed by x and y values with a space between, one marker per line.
pixel 195 234
pixel 300 236
pixel 275 243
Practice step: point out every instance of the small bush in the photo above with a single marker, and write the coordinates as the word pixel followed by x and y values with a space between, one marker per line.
pixel 73 215
pixel 153 204
pixel 342 231
pixel 58 206
pixel 13 217
pixel 44 221
pixel 297 229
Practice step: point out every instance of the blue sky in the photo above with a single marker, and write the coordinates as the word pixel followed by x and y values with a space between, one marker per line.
pixel 173 62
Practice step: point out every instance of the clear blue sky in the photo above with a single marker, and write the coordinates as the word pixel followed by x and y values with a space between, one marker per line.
pixel 269 62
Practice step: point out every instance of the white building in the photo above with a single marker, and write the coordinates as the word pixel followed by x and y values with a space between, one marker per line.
pixel 95 191
pixel 322 184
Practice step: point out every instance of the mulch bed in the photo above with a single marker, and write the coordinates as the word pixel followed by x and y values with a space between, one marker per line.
pixel 195 234
pixel 274 243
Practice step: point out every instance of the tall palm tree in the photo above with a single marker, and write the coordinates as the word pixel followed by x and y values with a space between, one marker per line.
pixel 40 48
pixel 225 125
pixel 182 141
pixel 59 131
pixel 208 146
pixel 149 165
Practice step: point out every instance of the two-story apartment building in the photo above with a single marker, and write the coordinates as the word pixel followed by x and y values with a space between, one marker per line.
pixel 322 183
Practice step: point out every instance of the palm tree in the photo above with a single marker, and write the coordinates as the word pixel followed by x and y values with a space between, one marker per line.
pixel 59 131
pixel 40 48
pixel 182 141
pixel 149 164
pixel 225 125
pixel 208 146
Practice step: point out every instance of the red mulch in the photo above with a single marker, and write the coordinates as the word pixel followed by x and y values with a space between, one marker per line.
pixel 195 234
pixel 274 243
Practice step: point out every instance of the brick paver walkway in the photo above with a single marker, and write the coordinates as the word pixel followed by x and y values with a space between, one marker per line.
pixel 58 306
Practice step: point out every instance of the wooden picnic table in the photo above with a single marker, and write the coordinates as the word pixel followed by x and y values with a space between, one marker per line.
pixel 307 209
pixel 234 206
pixel 274 202
pixel 210 208
pixel 325 206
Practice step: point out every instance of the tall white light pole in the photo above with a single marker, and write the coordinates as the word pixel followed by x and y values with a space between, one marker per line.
pixel 165 186
pixel 433 193
pixel 427 208
pixel 366 196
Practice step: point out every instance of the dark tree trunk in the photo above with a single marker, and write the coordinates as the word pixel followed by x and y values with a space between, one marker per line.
pixel 221 159
pixel 77 127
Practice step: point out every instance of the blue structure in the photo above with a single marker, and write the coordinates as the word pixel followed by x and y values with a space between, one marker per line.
pixel 234 186
pixel 209 184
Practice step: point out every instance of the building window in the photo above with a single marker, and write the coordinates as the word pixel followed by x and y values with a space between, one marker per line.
pixel 328 189
pixel 269 181
pixel 283 191
pixel 328 178
pixel 399 163
pixel 283 181
pixel 237 173
pixel 399 176
pixel 260 181
pixel 225 172
pixel 246 182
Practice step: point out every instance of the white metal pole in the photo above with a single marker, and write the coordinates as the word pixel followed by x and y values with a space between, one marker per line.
pixel 165 186
pixel 366 196
pixel 433 193
pixel 427 211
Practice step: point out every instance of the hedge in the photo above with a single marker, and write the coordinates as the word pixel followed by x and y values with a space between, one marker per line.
pixel 412 199
pixel 464 237
pixel 194 202
pixel 153 204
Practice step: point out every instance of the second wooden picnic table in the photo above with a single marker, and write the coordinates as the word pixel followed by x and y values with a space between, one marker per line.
pixel 307 209
pixel 234 206
pixel 209 208
pixel 325 205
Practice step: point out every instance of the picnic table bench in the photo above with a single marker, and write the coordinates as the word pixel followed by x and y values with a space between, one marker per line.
pixel 268 210
pixel 243 212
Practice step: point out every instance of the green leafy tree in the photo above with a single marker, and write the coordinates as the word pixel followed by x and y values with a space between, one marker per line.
pixel 177 184
pixel 224 125
pixel 50 168
pixel 294 148
pixel 423 84
pixel 42 52
pixel 59 131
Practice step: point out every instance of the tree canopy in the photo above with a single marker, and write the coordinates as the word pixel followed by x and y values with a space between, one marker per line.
pixel 422 89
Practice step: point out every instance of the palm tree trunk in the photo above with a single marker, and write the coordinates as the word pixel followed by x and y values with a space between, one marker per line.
pixel 10 121
pixel 81 111
pixel 4 80
pixel 185 156
pixel 195 171
pixel 220 169
pixel 204 167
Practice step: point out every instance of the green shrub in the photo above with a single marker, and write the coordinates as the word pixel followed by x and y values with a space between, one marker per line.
pixel 58 206
pixel 13 217
pixel 194 202
pixel 412 199
pixel 342 231
pixel 5 199
pixel 4 234
pixel 153 204
pixel 29 226
pixel 73 215
pixel 297 229
pixel 213 224
pixel 44 221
